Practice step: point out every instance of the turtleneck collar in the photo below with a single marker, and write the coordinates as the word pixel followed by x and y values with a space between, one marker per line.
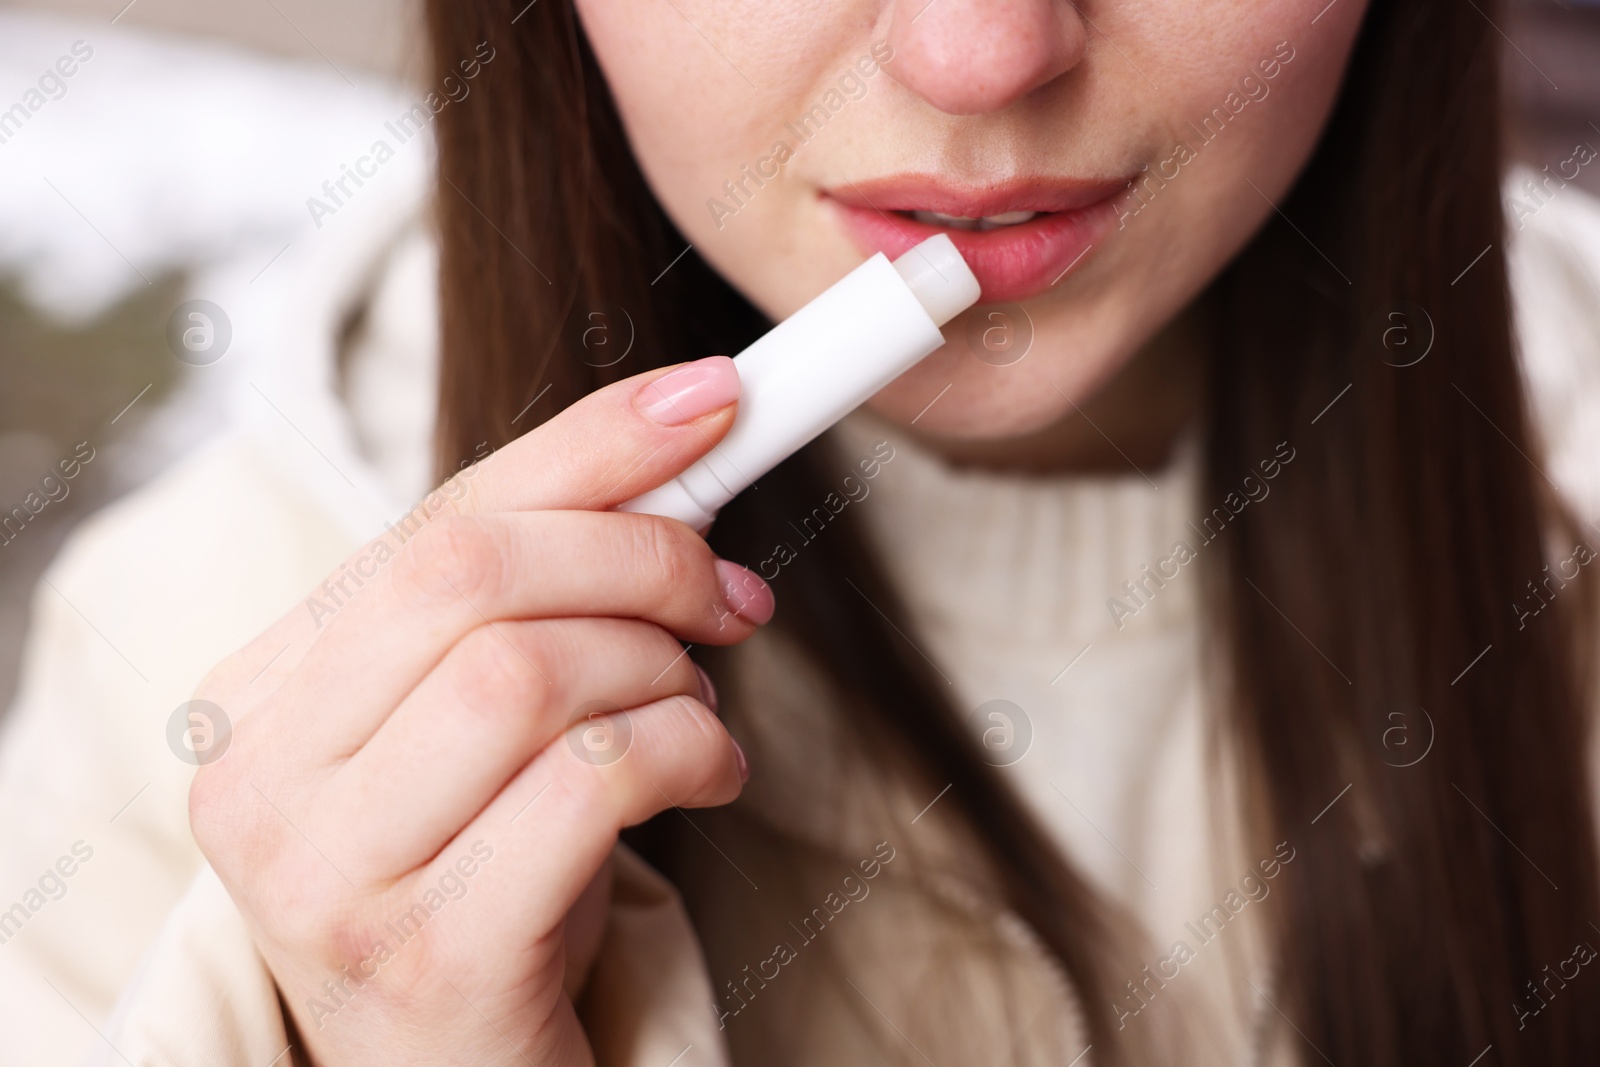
pixel 1031 559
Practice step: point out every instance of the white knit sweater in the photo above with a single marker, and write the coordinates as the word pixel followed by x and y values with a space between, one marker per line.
pixel 1081 672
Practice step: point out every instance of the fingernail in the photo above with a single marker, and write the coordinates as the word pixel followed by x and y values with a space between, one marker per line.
pixel 744 764
pixel 693 390
pixel 708 692
pixel 746 595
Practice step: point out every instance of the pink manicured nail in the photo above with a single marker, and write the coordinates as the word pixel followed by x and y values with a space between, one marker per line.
pixel 744 764
pixel 746 595
pixel 708 692
pixel 693 390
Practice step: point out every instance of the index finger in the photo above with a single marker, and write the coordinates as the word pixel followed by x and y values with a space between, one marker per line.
pixel 612 445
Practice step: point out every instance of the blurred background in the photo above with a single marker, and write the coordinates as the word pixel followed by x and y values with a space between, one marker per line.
pixel 176 163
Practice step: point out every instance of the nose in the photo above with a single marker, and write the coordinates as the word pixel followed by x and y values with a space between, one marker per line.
pixel 967 57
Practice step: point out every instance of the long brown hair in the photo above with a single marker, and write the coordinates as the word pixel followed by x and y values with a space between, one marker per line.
pixel 1428 899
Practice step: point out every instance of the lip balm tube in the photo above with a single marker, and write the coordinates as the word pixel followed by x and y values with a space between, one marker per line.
pixel 818 365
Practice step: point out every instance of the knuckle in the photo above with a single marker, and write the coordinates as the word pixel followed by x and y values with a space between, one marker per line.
pixel 414 975
pixel 452 557
pixel 671 558
pixel 703 743
pixel 500 668
pixel 666 665
pixel 712 751
pixel 590 793
pixel 310 911
pixel 347 940
pixel 288 894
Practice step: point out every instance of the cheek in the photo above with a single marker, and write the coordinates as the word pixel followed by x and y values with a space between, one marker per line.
pixel 686 110
pixel 1229 161
pixel 1230 138
pixel 707 91
pixel 706 88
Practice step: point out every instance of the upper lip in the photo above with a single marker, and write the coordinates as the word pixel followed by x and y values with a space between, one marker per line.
pixel 927 192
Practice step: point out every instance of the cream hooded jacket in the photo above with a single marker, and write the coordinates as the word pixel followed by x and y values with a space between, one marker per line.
pixel 119 945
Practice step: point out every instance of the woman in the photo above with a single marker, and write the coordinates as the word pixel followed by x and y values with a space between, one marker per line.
pixel 1187 659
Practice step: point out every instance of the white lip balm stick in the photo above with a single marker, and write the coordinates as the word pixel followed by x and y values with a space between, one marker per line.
pixel 818 365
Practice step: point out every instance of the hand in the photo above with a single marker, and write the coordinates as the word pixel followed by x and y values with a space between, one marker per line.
pixel 423 790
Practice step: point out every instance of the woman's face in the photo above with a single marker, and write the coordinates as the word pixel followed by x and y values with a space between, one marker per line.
pixel 1096 164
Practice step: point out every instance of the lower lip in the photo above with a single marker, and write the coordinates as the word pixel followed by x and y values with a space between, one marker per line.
pixel 1012 262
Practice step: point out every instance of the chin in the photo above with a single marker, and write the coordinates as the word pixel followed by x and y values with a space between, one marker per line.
pixel 982 402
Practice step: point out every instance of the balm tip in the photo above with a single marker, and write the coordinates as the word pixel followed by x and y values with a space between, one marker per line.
pixel 940 278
